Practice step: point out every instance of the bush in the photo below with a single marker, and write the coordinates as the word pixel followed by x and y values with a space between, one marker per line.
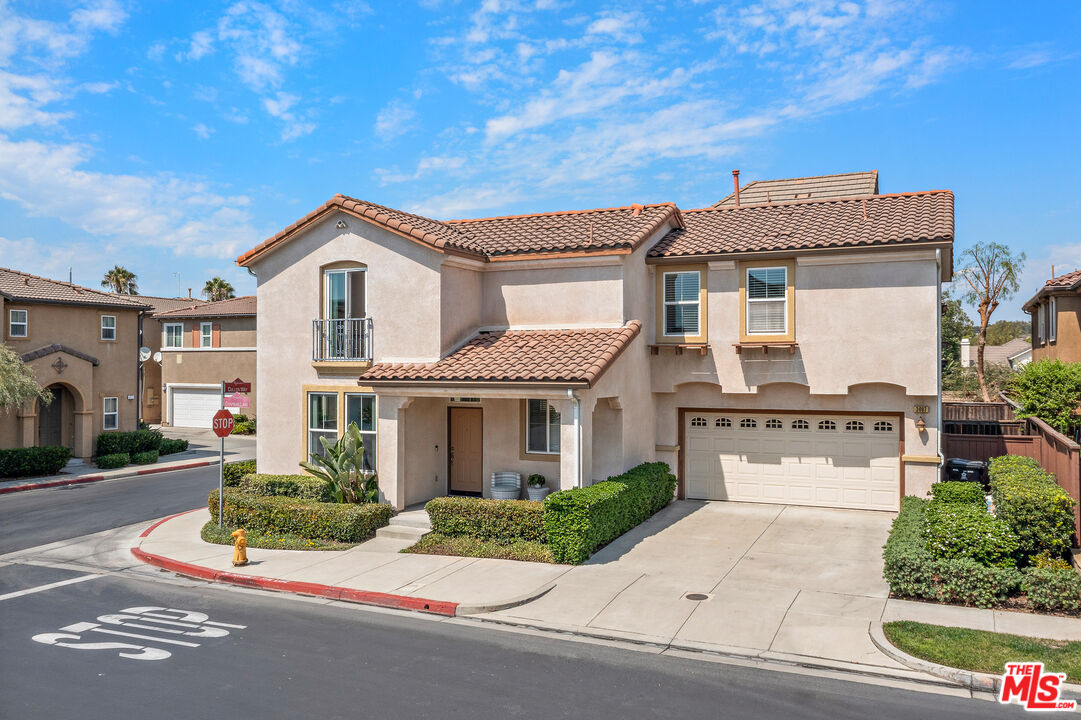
pixel 111 443
pixel 581 520
pixel 148 457
pixel 33 461
pixel 1049 390
pixel 234 471
pixel 113 460
pixel 1032 503
pixel 303 518
pixel 172 445
pixel 1004 464
pixel 1053 589
pixel 967 581
pixel 958 492
pixel 243 425
pixel 304 487
pixel 502 520
pixel 465 546
pixel 958 530
pixel 1046 560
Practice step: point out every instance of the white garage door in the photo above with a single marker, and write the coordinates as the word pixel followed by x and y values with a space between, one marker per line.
pixel 195 407
pixel 826 460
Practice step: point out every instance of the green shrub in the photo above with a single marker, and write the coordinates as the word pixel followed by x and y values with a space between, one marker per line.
pixel 967 581
pixel 304 487
pixel 466 546
pixel 113 460
pixel 958 492
pixel 1039 511
pixel 1053 589
pixel 303 518
pixel 1046 560
pixel 485 519
pixel 1003 464
pixel 1050 390
pixel 243 425
pixel 580 520
pixel 234 471
pixel 147 457
pixel 33 461
pixel 958 530
pixel 172 445
pixel 111 443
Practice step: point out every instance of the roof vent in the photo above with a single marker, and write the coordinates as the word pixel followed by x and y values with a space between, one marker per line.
pixel 637 209
pixel 735 181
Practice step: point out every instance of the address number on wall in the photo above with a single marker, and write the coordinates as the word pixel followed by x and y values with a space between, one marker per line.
pixel 921 409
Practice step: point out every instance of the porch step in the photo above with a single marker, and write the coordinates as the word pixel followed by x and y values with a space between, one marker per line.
pixel 401 532
pixel 413 519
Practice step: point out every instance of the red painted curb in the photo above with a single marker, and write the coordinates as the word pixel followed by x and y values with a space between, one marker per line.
pixel 186 466
pixel 96 478
pixel 331 592
pixel 153 527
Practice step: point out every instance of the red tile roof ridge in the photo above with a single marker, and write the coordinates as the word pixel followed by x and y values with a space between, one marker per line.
pixel 631 207
pixel 818 201
pixel 124 297
pixel 1064 280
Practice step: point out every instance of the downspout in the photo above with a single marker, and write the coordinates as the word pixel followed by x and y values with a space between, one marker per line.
pixel 139 375
pixel 941 424
pixel 577 438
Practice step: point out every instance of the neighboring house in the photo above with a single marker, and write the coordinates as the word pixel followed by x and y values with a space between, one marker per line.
pixel 1056 319
pixel 777 352
pixel 153 392
pixel 1014 354
pixel 757 192
pixel 83 345
pixel 201 346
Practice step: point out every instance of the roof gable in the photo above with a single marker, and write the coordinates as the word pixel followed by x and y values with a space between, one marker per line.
pixel 814 187
pixel 20 286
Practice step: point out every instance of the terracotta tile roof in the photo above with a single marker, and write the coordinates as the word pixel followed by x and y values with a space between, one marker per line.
pixel 1001 354
pixel 15 285
pixel 572 357
pixel 1068 280
pixel 814 187
pixel 55 348
pixel 233 307
pixel 603 229
pixel 809 224
pixel 164 304
pixel 1056 285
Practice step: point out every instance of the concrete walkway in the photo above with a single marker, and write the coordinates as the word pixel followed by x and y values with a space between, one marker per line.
pixel 789 584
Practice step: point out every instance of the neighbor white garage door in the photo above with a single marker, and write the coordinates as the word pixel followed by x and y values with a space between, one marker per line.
pixel 826 460
pixel 195 407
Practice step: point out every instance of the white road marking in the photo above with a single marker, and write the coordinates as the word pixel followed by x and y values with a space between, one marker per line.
pixel 50 586
pixel 145 637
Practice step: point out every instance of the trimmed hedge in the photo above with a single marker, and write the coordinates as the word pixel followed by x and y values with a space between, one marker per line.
pixel 172 445
pixel 113 460
pixel 1032 503
pixel 958 492
pixel 956 530
pixel 1053 589
pixel 33 461
pixel 234 471
pixel 304 518
pixel 137 441
pixel 580 520
pixel 149 457
pixel 501 520
pixel 304 487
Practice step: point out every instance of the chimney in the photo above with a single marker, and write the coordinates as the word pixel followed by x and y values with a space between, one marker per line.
pixel 966 353
pixel 189 293
pixel 735 181
pixel 1052 272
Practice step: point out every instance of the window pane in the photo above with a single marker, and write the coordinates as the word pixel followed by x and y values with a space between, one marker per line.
pixel 360 409
pixel 681 320
pixel 553 430
pixel 356 294
pixel 537 426
pixel 314 446
pixel 766 317
pixel 323 412
pixel 111 404
pixel 766 283
pixel 681 287
pixel 369 451
pixel 108 321
pixel 335 295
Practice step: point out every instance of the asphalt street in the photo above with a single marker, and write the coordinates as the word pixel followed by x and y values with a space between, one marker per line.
pixel 280 657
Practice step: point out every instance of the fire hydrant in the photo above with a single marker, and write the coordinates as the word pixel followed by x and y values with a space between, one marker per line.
pixel 240 549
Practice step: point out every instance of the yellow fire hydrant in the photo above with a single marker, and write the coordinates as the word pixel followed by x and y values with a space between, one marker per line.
pixel 240 549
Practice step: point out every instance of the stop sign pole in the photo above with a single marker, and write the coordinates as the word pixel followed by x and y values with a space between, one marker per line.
pixel 223 425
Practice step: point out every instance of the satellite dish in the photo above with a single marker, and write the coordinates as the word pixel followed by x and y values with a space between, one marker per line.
pixel 157 356
pixel 144 353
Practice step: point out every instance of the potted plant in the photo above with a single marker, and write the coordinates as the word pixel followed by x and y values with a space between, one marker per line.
pixel 536 488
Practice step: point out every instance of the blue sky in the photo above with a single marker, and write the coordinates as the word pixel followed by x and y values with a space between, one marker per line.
pixel 171 136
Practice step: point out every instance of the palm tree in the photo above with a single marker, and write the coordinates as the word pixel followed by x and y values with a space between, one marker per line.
pixel 218 289
pixel 121 280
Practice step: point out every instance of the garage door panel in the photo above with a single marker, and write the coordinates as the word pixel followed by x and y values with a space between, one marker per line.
pixel 812 459
pixel 194 407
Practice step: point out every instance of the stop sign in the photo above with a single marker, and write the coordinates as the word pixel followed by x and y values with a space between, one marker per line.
pixel 223 423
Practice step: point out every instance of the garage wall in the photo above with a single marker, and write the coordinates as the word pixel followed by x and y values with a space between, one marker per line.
pixel 211 367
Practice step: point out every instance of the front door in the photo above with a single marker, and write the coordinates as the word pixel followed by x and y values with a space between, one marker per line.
pixel 466 450
pixel 50 420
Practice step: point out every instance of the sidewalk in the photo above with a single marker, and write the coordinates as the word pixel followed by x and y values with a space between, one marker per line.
pixel 621 594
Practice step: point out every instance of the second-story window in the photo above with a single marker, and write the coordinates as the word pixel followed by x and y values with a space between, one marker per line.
pixel 206 334
pixel 682 303
pixel 767 301
pixel 108 327
pixel 174 335
pixel 1052 319
pixel 1041 316
pixel 18 324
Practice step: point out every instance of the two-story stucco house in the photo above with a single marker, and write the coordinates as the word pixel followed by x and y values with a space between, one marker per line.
pixel 1056 319
pixel 153 390
pixel 81 344
pixel 781 350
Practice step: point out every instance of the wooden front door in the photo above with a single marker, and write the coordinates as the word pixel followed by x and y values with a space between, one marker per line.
pixel 50 419
pixel 466 450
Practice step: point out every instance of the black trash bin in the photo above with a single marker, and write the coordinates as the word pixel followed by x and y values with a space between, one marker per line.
pixel 960 470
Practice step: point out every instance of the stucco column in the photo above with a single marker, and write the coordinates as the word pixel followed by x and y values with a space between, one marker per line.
pixel 569 441
pixel 83 442
pixel 390 441
pixel 27 421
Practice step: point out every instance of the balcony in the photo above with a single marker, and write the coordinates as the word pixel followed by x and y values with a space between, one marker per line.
pixel 342 342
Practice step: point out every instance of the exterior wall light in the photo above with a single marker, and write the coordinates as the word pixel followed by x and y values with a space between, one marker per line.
pixel 921 425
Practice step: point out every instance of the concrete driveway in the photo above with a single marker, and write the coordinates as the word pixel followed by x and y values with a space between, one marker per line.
pixel 791 581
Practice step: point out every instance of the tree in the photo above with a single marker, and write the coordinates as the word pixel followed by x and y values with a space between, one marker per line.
pixel 342 466
pixel 955 326
pixel 1049 390
pixel 991 272
pixel 17 383
pixel 1001 332
pixel 121 281
pixel 218 289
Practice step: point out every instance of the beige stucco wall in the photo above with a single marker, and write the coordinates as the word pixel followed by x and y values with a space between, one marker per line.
pixel 211 367
pixel 461 297
pixel 1067 344
pixel 79 328
pixel 573 292
pixel 235 331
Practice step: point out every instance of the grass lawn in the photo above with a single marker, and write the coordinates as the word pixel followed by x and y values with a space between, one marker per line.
pixel 211 533
pixel 983 651
pixel 466 546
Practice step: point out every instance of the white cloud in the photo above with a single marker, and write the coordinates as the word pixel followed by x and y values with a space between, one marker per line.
pixel 263 43
pixel 106 15
pixel 395 119
pixel 201 45
pixel 203 131
pixel 98 88
pixel 280 106
pixel 23 99
pixel 426 166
